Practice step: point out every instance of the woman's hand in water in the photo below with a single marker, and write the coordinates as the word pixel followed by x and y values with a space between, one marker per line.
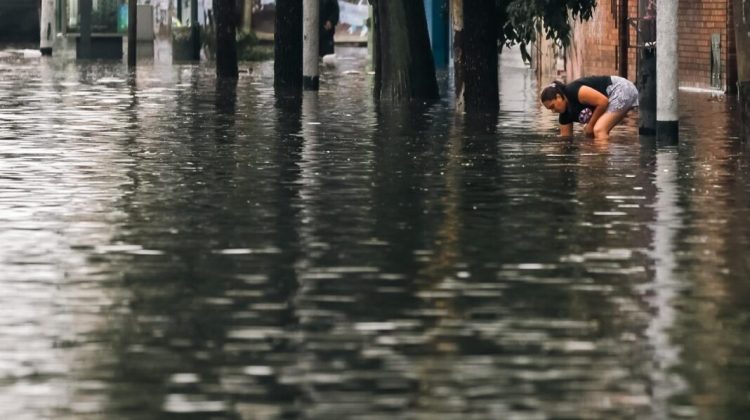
pixel 588 130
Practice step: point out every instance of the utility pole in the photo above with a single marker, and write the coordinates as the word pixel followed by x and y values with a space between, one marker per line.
pixel 310 44
pixel 84 47
pixel 132 31
pixel 667 84
pixel 47 31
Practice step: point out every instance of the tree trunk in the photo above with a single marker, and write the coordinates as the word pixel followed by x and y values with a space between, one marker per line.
pixel 226 15
pixel 475 55
pixel 741 11
pixel 287 66
pixel 404 69
pixel 132 32
pixel 457 13
pixel 195 31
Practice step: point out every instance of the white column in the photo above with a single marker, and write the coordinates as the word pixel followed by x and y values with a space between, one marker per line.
pixel 666 74
pixel 47 30
pixel 310 44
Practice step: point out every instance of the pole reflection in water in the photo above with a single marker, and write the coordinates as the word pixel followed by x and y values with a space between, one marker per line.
pixel 665 285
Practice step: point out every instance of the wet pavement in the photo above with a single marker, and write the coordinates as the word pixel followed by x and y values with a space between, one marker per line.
pixel 175 247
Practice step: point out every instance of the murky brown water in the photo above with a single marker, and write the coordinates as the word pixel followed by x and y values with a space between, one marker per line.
pixel 174 247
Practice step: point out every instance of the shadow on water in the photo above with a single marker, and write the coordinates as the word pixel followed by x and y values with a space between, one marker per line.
pixel 180 247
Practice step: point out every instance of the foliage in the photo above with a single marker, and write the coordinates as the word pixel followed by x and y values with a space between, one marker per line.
pixel 520 20
pixel 249 48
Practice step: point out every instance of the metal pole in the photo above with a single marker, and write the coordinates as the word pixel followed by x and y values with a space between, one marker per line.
pixel 132 31
pixel 47 29
pixel 667 84
pixel 84 51
pixel 310 44
pixel 623 34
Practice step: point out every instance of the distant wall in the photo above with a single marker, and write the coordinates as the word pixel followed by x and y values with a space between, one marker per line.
pixel 19 21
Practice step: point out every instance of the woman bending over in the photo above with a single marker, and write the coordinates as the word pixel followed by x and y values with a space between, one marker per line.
pixel 598 102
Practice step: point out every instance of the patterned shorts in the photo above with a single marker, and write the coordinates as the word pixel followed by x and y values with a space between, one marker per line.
pixel 623 95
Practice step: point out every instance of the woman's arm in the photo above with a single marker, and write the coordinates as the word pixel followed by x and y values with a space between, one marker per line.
pixel 592 97
pixel 566 130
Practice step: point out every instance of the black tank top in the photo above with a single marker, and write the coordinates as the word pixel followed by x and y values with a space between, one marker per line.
pixel 576 111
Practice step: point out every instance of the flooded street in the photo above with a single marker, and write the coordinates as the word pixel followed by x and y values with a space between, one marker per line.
pixel 177 247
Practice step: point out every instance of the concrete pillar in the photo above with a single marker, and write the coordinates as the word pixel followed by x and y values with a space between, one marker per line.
pixel 132 31
pixel 310 44
pixel 667 83
pixel 47 29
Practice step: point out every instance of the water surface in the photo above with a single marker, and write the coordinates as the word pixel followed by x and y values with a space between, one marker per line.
pixel 177 247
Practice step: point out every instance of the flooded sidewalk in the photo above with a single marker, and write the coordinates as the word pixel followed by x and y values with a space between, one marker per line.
pixel 177 247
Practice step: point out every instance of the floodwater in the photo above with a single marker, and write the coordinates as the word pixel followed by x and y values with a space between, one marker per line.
pixel 174 247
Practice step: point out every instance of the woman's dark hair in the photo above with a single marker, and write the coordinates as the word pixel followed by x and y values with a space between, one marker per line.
pixel 550 92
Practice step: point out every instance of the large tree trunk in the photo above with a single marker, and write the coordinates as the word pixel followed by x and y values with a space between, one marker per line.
pixel 475 55
pixel 741 11
pixel 226 15
pixel 404 69
pixel 287 66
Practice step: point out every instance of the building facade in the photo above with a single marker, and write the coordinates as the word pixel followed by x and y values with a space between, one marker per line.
pixel 706 45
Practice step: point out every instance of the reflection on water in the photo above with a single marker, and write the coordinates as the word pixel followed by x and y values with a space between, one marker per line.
pixel 174 246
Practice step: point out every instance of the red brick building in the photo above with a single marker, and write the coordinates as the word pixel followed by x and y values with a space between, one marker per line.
pixel 594 47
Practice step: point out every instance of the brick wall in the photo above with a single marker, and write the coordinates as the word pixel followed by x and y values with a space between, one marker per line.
pixel 599 37
pixel 698 20
pixel 595 42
